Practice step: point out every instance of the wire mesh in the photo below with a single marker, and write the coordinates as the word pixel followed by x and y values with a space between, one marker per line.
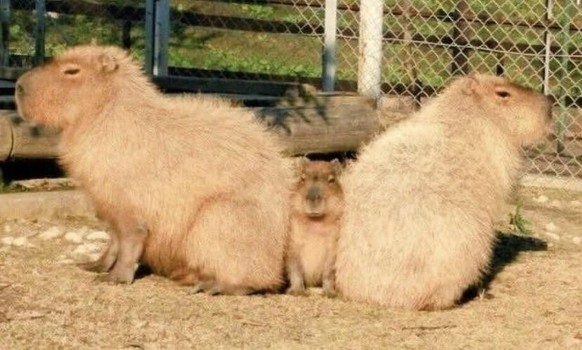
pixel 424 43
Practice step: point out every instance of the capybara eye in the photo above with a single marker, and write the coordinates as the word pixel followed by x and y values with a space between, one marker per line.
pixel 503 93
pixel 72 71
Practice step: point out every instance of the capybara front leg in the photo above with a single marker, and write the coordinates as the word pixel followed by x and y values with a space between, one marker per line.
pixel 131 246
pixel 328 276
pixel 107 259
pixel 295 274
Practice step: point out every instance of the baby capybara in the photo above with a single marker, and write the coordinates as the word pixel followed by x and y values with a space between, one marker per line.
pixel 193 188
pixel 422 198
pixel 316 208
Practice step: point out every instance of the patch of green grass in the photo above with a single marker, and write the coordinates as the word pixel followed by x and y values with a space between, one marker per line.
pixel 300 55
pixel 520 224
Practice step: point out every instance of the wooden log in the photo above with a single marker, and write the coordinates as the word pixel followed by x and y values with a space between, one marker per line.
pixel 5 137
pixel 26 140
pixel 307 124
pixel 322 124
pixel 304 124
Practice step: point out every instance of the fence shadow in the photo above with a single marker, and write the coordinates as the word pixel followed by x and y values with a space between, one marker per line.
pixel 507 248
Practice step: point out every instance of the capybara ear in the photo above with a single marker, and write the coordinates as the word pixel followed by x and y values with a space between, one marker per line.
pixel 337 166
pixel 471 85
pixel 108 63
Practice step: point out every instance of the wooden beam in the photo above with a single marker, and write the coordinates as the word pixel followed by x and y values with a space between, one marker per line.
pixel 322 124
pixel 304 124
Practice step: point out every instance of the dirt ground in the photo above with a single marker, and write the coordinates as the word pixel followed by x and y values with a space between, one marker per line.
pixel 532 300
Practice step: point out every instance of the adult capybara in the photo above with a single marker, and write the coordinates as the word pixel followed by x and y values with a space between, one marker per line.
pixel 316 208
pixel 193 188
pixel 422 198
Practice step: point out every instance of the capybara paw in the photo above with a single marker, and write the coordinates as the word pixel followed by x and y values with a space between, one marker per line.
pixel 203 287
pixel 214 288
pixel 297 291
pixel 116 277
pixel 93 266
pixel 329 293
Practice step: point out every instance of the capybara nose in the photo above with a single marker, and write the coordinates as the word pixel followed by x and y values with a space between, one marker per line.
pixel 19 89
pixel 314 194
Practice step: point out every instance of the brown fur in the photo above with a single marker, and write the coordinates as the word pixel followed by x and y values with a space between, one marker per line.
pixel 193 188
pixel 316 208
pixel 422 198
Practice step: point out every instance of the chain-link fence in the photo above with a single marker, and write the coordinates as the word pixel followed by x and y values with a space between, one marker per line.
pixel 408 49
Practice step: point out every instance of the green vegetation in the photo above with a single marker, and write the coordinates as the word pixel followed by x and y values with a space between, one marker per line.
pixel 300 55
pixel 518 222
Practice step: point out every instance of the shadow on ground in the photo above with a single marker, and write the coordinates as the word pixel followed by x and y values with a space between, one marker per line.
pixel 507 248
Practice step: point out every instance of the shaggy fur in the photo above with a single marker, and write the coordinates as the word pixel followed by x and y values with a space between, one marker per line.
pixel 316 208
pixel 422 199
pixel 193 188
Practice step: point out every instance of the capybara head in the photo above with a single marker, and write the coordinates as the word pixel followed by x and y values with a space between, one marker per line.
pixel 79 82
pixel 522 113
pixel 318 191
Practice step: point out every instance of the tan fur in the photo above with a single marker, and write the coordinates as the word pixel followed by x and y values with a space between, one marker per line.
pixel 193 188
pixel 422 198
pixel 316 208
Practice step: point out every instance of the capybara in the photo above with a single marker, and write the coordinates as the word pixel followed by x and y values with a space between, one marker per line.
pixel 316 207
pixel 422 198
pixel 193 188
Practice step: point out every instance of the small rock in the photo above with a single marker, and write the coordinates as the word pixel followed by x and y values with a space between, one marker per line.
pixel 85 249
pixel 94 256
pixel 20 242
pixel 556 204
pixel 553 236
pixel 541 199
pixel 575 203
pixel 551 227
pixel 51 233
pixel 66 261
pixel 75 237
pixel 98 236
pixel 577 240
pixel 7 229
pixel 8 240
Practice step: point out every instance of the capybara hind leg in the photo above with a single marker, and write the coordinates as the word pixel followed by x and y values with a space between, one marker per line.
pixel 227 244
pixel 107 259
pixel 130 250
pixel 185 277
pixel 214 288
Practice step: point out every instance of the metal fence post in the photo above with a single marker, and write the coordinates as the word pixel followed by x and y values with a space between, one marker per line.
pixel 564 40
pixel 162 36
pixel 329 45
pixel 157 34
pixel 370 48
pixel 4 31
pixel 149 37
pixel 39 32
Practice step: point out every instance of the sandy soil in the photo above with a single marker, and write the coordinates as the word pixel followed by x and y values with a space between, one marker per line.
pixel 532 300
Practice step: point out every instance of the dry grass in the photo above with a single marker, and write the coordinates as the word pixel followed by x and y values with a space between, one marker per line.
pixel 533 302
